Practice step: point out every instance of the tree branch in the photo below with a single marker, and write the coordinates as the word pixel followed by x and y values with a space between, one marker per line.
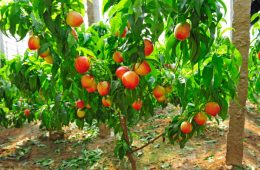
pixel 150 142
pixel 123 125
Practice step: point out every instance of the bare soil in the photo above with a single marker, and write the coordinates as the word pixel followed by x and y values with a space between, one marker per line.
pixel 27 148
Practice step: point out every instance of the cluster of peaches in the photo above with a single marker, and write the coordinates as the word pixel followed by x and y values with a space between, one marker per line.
pixel 211 108
pixel 73 19
pixel 129 78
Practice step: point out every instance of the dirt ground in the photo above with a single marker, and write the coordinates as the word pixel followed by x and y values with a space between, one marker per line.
pixel 28 148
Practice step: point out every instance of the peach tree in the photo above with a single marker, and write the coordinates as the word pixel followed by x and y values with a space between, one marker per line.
pixel 11 97
pixel 152 53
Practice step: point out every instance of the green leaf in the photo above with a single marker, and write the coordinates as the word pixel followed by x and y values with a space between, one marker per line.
pixel 198 5
pixel 207 75
pixel 218 65
pixel 118 7
pixel 223 5
pixel 121 149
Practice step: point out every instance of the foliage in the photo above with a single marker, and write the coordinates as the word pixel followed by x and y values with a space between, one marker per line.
pixel 253 66
pixel 9 97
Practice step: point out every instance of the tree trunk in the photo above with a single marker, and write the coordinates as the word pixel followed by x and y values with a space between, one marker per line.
pixel 90 12
pixel 56 135
pixel 104 131
pixel 96 11
pixel 237 111
pixel 2 49
pixel 129 154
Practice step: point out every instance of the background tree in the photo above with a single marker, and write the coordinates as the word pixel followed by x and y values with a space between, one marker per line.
pixel 1 44
pixel 90 12
pixel 237 110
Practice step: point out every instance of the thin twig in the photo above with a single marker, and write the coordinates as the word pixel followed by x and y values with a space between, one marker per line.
pixel 151 141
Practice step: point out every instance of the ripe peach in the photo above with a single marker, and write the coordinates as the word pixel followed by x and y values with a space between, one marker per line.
pixel 142 69
pixel 80 104
pixel 87 81
pixel 148 47
pixel 74 19
pixel 158 91
pixel 34 43
pixel 103 88
pixel 121 70
pixel 200 118
pixel 82 64
pixel 182 31
pixel 137 105
pixel 117 56
pixel 93 88
pixel 124 32
pixel 49 59
pixel 106 102
pixel 123 35
pixel 161 99
pixel 130 80
pixel 27 112
pixel 212 108
pixel 186 127
pixel 45 54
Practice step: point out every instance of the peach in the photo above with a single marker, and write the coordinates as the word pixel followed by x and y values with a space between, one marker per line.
pixel 186 127
pixel 212 108
pixel 120 71
pixel 49 59
pixel 82 64
pixel 27 112
pixel 158 91
pixel 34 43
pixel 103 88
pixel 130 80
pixel 80 104
pixel 87 81
pixel 161 99
pixel 45 53
pixel 74 19
pixel 182 31
pixel 148 47
pixel 200 118
pixel 106 102
pixel 123 35
pixel 81 113
pixel 93 88
pixel 143 68
pixel 117 56
pixel 137 105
